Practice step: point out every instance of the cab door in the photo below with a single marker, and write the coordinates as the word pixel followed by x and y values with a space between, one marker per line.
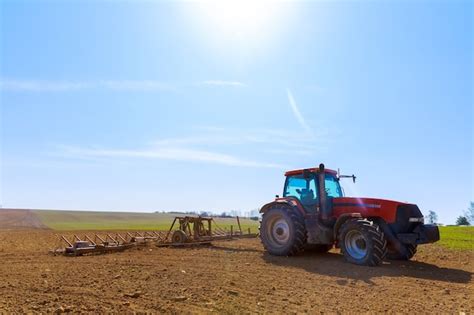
pixel 304 188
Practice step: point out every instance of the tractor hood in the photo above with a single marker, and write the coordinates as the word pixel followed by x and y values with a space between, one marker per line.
pixel 369 207
pixel 365 202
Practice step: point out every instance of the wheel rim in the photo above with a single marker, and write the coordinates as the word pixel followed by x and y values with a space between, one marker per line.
pixel 178 237
pixel 279 230
pixel 356 244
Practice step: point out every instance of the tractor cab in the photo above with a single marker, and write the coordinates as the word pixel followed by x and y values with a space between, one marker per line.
pixel 304 186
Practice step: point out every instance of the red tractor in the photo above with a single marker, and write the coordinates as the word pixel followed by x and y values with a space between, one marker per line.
pixel 313 213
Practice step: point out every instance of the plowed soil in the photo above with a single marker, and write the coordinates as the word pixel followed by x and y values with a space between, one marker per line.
pixel 16 218
pixel 228 277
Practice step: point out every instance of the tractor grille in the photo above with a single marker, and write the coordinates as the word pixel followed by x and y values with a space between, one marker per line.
pixel 404 213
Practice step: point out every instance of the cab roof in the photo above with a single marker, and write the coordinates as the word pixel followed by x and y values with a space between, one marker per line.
pixel 311 170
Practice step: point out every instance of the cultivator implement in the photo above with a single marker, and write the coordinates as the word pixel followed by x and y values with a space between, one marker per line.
pixel 199 230
pixel 184 231
pixel 105 243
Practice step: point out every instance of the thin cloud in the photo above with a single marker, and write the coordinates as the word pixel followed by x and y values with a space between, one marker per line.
pixel 130 85
pixel 261 138
pixel 215 145
pixel 41 86
pixel 207 140
pixel 63 86
pixel 223 83
pixel 175 154
pixel 297 112
pixel 209 135
pixel 289 152
pixel 116 85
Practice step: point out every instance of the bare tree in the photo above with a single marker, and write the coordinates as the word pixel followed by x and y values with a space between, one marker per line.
pixel 432 217
pixel 469 214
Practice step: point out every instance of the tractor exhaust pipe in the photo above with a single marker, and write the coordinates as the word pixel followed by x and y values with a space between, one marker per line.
pixel 323 201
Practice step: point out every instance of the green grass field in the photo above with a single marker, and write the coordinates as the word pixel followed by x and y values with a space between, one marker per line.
pixel 457 237
pixel 88 220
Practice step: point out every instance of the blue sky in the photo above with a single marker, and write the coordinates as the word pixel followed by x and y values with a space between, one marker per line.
pixel 162 105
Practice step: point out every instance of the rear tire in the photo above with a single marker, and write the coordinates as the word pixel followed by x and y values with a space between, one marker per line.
pixel 362 242
pixel 410 252
pixel 283 231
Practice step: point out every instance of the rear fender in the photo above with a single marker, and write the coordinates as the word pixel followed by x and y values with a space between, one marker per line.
pixel 291 201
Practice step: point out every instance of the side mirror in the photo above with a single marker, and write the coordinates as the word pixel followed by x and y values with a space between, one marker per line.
pixel 347 176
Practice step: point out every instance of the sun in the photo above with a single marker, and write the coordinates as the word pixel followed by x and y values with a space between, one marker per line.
pixel 239 17
pixel 248 23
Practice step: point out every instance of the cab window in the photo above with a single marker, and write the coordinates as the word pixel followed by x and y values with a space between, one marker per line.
pixel 302 188
pixel 333 189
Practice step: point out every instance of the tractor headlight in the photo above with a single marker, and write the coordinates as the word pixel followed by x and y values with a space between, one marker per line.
pixel 420 220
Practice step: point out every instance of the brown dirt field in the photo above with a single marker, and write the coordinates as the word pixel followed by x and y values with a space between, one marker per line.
pixel 228 277
pixel 19 218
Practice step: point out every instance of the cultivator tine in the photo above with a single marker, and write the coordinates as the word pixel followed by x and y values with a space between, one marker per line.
pixel 123 240
pixel 90 240
pixel 171 228
pixel 127 238
pixel 66 240
pixel 161 236
pixel 99 238
pixel 111 238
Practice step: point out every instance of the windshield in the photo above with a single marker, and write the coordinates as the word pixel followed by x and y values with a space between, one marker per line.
pixel 333 189
pixel 304 188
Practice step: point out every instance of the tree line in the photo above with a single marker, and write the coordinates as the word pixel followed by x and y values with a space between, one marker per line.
pixel 467 218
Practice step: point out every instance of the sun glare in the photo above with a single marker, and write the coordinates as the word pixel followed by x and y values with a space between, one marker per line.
pixel 245 22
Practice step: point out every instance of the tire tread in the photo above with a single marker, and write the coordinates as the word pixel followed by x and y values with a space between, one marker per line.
pixel 297 219
pixel 376 238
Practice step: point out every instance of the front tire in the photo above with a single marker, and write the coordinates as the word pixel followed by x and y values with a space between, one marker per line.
pixel 362 242
pixel 283 231
pixel 410 251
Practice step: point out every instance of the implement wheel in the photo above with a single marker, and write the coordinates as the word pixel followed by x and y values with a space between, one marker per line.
pixel 282 231
pixel 179 236
pixel 362 242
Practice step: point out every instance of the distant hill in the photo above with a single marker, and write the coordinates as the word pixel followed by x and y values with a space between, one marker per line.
pixel 19 219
